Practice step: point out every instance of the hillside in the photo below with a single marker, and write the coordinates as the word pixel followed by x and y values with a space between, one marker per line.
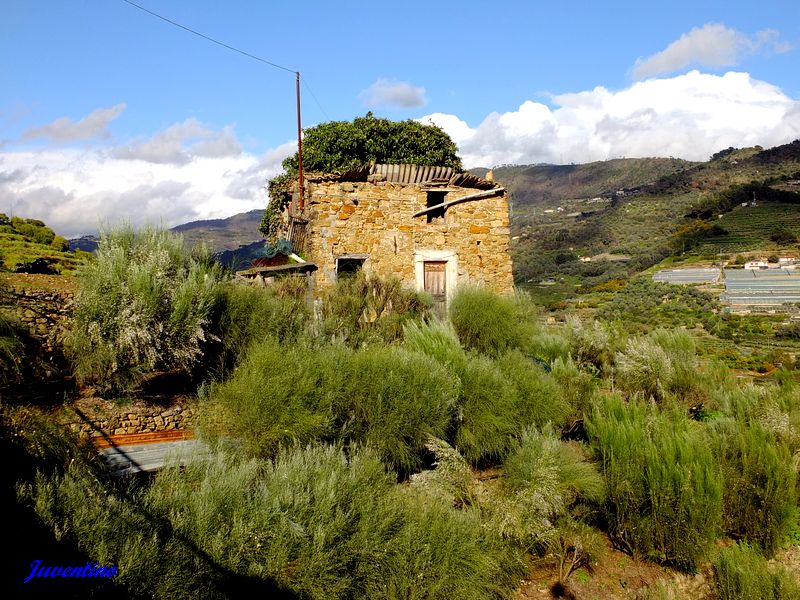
pixel 30 246
pixel 648 209
pixel 223 234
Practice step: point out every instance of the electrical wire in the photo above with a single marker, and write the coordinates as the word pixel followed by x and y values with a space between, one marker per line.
pixel 313 95
pixel 210 39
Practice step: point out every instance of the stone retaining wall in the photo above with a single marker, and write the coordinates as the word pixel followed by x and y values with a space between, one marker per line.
pixel 46 313
pixel 118 421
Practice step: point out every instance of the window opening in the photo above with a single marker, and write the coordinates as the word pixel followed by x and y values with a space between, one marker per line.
pixel 435 198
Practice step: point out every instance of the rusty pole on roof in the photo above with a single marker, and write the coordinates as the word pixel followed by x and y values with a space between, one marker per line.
pixel 299 145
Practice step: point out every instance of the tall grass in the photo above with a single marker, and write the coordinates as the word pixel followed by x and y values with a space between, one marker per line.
pixel 284 394
pixel 13 350
pixel 664 497
pixel 143 305
pixel 660 366
pixel 741 573
pixel 491 324
pixel 248 314
pixel 760 500
pixel 329 525
pixel 361 310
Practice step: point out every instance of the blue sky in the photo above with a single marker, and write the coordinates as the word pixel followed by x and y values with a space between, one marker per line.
pixel 107 112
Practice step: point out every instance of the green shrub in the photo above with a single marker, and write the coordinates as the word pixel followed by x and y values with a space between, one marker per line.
pixel 578 388
pixel 544 479
pixel 539 399
pixel 498 397
pixel 537 453
pixel 360 310
pixel 249 314
pixel 438 340
pixel 327 525
pixel 664 491
pixel 386 397
pixel 486 421
pixel 593 343
pixel 12 349
pixel 660 366
pixel 488 323
pixel 143 305
pixel 760 500
pixel 741 573
pixel 393 400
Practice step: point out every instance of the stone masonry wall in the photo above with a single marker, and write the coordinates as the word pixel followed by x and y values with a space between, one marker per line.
pixel 46 314
pixel 376 220
pixel 138 419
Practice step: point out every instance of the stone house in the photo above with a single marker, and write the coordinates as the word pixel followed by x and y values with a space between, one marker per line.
pixel 429 226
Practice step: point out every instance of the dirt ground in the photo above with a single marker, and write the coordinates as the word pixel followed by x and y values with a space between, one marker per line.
pixel 619 576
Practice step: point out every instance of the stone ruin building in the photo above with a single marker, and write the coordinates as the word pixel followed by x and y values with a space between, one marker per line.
pixel 429 226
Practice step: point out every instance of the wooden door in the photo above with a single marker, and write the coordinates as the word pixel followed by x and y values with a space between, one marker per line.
pixel 436 285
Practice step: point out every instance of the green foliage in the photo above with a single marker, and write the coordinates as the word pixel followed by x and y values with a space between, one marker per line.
pixel 543 479
pixel 438 340
pixel 741 573
pixel 60 243
pixel 593 343
pixel 498 397
pixel 327 525
pixel 13 349
pixel 364 309
pixel 660 366
pixel 249 314
pixel 384 397
pixel 664 490
pixel 649 304
pixel 338 146
pixel 143 305
pixel 575 545
pixel 488 323
pixel 760 500
pixel 537 453
pixel 342 145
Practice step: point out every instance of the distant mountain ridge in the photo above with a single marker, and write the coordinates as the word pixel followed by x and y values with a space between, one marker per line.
pixel 220 235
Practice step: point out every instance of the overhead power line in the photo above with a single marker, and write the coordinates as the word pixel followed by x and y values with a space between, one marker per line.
pixel 210 39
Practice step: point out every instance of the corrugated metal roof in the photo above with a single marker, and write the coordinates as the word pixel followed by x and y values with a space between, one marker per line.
pixel 412 174
pixel 406 174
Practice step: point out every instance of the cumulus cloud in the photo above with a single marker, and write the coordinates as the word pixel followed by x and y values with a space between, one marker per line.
pixel 77 191
pixel 64 129
pixel 180 143
pixel 390 93
pixel 712 45
pixel 689 116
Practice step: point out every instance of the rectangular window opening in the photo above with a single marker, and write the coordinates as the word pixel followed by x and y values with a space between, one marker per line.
pixel 349 266
pixel 434 199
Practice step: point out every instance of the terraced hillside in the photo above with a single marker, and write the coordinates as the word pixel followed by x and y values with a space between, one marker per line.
pixel 660 208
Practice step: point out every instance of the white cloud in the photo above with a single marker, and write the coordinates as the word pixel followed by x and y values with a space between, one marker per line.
pixel 76 191
pixel 390 93
pixel 181 142
pixel 712 45
pixel 64 129
pixel 689 116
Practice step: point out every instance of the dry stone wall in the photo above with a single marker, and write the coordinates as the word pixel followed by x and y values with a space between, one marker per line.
pixel 45 313
pixel 136 419
pixel 376 220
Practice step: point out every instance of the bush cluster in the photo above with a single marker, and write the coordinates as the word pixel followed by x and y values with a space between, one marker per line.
pixel 144 305
pixel 664 489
